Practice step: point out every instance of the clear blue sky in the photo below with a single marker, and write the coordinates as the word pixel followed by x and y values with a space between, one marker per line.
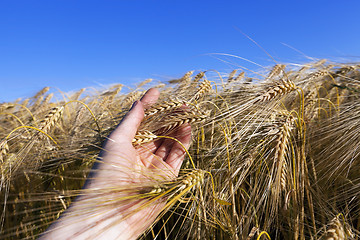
pixel 71 44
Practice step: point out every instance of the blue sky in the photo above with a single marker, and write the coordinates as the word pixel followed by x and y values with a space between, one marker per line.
pixel 86 43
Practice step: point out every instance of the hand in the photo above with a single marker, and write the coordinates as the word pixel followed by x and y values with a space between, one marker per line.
pixel 100 214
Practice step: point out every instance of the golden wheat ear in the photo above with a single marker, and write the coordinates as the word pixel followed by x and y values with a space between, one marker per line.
pixel 143 137
pixel 51 118
pixel 164 106
pixel 286 86
pixel 4 149
pixel 337 230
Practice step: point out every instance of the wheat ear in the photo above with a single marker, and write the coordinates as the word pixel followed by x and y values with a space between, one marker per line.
pixel 336 231
pixel 276 71
pixel 279 90
pixel 143 137
pixel 179 119
pixel 51 118
pixel 47 99
pixel 204 88
pixel 232 75
pixel 76 95
pixel 4 149
pixel 146 81
pixel 41 92
pixel 163 106
pixel 132 97
pixel 239 77
pixel 184 80
pixel 281 146
pixel 188 181
pixel 317 75
pixel 192 179
pixel 198 76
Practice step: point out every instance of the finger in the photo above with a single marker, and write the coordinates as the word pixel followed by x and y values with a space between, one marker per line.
pixel 129 125
pixel 177 153
pixel 150 147
pixel 164 149
pixel 150 97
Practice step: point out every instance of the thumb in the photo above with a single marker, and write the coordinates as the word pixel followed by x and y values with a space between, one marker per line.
pixel 128 127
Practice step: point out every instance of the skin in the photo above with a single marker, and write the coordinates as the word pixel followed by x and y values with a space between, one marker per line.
pixel 122 164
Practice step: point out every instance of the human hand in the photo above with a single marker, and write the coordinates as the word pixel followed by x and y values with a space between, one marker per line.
pixel 107 209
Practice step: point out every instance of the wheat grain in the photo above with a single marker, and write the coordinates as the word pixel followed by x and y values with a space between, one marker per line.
pixel 344 70
pixel 188 181
pixel 6 106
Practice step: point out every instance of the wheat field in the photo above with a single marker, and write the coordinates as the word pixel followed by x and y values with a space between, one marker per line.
pixel 274 154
